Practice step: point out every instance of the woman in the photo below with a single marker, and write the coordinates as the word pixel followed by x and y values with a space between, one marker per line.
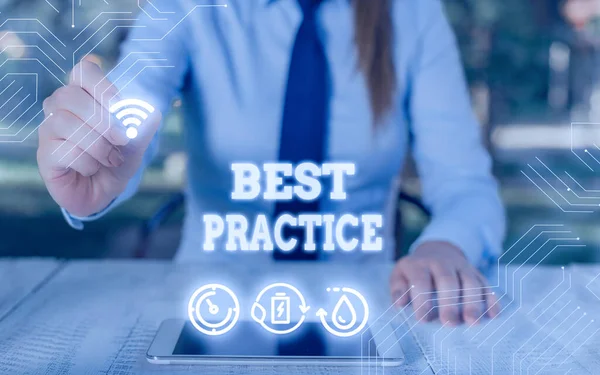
pixel 292 80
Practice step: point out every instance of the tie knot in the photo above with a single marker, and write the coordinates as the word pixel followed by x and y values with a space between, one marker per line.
pixel 309 6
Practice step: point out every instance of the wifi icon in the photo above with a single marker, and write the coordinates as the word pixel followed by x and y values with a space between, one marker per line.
pixel 131 113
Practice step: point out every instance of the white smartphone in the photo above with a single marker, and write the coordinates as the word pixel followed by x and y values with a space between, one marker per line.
pixel 178 342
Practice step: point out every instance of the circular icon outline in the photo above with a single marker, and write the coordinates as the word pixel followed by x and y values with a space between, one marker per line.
pixel 214 328
pixel 321 313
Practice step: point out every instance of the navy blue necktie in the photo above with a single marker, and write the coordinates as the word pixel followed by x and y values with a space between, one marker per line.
pixel 305 119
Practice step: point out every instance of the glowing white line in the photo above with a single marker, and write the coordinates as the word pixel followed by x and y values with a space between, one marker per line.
pixel 132 121
pixel 132 112
pixel 131 102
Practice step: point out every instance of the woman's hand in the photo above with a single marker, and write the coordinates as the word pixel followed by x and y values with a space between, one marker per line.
pixel 462 293
pixel 580 12
pixel 84 156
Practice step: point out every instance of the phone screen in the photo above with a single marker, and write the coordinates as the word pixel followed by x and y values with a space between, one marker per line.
pixel 248 339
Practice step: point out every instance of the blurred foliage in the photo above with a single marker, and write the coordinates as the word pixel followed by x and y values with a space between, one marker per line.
pixel 505 45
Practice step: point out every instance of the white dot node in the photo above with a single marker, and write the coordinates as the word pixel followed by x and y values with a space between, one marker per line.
pixel 131 133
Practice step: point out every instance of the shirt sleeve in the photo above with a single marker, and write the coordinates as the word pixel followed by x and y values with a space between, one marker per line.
pixel 453 165
pixel 152 67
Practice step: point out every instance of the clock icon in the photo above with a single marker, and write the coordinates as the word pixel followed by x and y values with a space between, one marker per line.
pixel 214 309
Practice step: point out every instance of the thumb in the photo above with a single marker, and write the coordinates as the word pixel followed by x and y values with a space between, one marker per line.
pixel 94 59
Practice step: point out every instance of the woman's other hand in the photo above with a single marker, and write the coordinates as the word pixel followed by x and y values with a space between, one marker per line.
pixel 439 270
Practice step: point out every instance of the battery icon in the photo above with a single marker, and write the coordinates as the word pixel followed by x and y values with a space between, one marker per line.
pixel 280 309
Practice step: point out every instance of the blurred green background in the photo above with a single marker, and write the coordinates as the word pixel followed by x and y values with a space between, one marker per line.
pixel 532 66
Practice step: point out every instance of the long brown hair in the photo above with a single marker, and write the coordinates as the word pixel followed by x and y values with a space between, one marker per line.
pixel 374 40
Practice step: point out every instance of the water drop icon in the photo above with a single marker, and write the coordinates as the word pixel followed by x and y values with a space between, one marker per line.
pixel 341 311
pixel 344 321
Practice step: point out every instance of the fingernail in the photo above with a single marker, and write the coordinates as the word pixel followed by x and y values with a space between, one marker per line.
pixel 471 318
pixel 453 319
pixel 470 321
pixel 397 297
pixel 115 158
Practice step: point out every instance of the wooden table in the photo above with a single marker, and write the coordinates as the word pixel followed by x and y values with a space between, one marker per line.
pixel 96 317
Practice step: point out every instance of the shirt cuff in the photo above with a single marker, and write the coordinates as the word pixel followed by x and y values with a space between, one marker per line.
pixel 76 222
pixel 476 244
